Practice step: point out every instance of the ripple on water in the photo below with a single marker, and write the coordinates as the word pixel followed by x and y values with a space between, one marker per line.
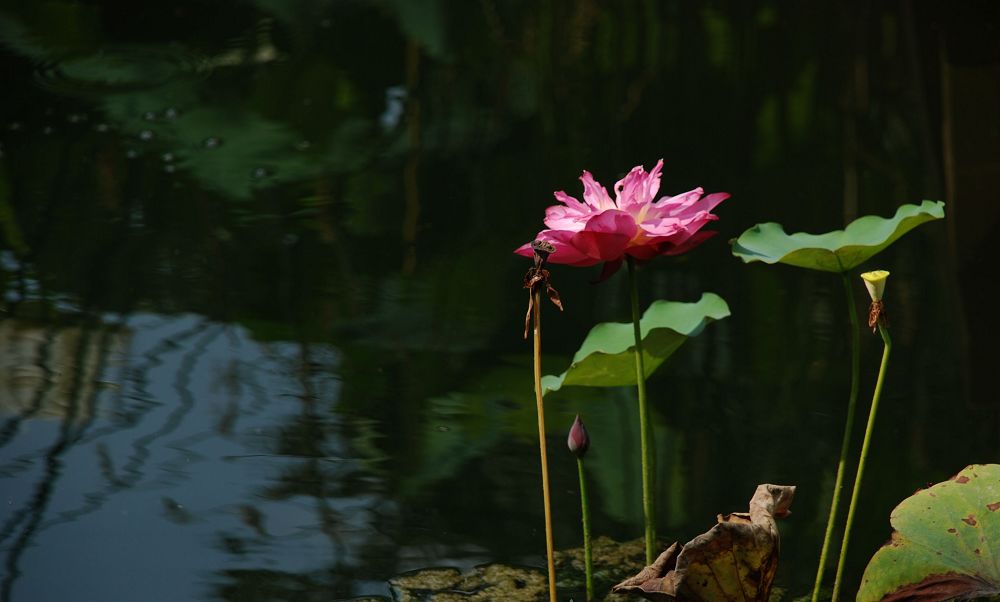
pixel 119 69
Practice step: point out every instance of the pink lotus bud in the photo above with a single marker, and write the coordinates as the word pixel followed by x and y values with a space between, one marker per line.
pixel 578 440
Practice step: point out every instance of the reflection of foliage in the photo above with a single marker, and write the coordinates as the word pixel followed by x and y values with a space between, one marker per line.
pixel 261 585
pixel 290 107
pixel 496 412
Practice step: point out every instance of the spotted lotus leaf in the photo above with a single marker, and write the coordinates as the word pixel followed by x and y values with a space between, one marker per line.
pixel 945 543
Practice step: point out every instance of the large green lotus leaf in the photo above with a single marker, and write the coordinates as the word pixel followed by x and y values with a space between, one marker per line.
pixel 945 543
pixel 837 251
pixel 607 356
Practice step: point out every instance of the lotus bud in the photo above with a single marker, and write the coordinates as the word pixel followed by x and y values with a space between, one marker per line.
pixel 875 283
pixel 578 440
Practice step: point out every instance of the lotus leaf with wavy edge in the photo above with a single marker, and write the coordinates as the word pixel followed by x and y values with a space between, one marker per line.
pixel 607 356
pixel 837 251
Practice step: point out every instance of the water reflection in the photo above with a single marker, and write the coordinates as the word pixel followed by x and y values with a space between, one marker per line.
pixel 259 319
pixel 114 70
pixel 158 95
pixel 178 429
pixel 68 395
pixel 40 376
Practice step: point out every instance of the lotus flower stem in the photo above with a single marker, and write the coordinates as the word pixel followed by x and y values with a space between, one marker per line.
pixel 645 429
pixel 887 342
pixel 852 402
pixel 549 547
pixel 588 553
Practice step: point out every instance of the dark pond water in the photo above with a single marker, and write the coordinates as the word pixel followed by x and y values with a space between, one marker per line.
pixel 261 324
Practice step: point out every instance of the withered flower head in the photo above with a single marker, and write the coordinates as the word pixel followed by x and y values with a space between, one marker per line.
pixel 537 278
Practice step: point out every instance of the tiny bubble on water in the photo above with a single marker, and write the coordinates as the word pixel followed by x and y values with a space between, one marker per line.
pixel 146 135
pixel 167 157
pixel 260 173
pixel 169 168
pixel 171 113
pixel 149 116
pixel 131 153
pixel 101 127
pixel 211 142
pixel 303 145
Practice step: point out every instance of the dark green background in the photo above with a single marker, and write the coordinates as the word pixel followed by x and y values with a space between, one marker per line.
pixel 261 324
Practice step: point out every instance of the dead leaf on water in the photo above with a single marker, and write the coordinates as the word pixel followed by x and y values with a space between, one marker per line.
pixel 735 560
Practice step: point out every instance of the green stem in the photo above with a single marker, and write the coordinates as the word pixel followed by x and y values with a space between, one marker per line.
pixel 861 461
pixel 852 402
pixel 645 428
pixel 588 556
pixel 540 408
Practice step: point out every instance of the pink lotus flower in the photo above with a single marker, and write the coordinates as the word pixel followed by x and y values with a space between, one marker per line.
pixel 633 224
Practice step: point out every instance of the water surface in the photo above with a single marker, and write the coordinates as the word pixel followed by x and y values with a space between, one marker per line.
pixel 261 322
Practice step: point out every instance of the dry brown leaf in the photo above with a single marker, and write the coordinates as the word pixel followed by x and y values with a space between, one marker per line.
pixel 735 560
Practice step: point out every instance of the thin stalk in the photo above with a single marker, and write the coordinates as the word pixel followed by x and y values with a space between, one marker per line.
pixel 540 408
pixel 645 428
pixel 864 454
pixel 852 402
pixel 588 555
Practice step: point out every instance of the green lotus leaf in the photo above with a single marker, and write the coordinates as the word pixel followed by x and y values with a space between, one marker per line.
pixel 837 251
pixel 607 356
pixel 945 543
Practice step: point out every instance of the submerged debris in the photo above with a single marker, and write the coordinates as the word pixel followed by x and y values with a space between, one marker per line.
pixel 508 583
pixel 482 584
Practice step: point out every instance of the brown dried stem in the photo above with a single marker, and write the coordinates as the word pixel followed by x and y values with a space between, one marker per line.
pixel 537 278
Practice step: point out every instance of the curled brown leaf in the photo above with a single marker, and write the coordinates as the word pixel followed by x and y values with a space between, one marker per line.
pixel 734 560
